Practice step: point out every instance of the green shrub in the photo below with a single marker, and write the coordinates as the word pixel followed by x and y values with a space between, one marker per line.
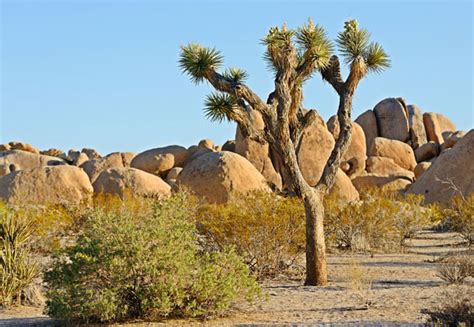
pixel 461 217
pixel 143 262
pixel 380 221
pixel 17 270
pixel 266 229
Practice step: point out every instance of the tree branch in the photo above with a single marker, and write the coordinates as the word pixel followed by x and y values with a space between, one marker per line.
pixel 332 74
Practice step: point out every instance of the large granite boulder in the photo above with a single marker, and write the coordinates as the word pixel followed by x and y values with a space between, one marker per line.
pixel 160 160
pixel 258 154
pixel 392 183
pixel 387 167
pixel 130 181
pixel 368 122
pixel 46 185
pixel 417 128
pixel 217 176
pixel 28 160
pixel 436 125
pixel 452 172
pixel 344 188
pixel 392 119
pixel 356 153
pixel 23 147
pixel 314 151
pixel 427 151
pixel 400 152
pixel 113 160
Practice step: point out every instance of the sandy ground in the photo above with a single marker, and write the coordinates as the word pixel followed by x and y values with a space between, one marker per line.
pixel 397 287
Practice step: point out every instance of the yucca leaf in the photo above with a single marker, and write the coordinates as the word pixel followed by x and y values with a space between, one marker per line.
pixel 376 58
pixel 352 42
pixel 196 61
pixel 235 75
pixel 314 43
pixel 218 106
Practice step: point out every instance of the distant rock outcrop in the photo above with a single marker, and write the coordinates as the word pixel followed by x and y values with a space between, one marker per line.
pixel 159 160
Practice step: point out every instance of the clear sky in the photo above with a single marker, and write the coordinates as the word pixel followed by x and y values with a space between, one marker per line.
pixel 104 74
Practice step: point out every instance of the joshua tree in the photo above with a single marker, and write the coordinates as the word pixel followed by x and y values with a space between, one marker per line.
pixel 294 56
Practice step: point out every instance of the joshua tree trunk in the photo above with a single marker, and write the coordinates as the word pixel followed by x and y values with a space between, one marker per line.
pixel 316 270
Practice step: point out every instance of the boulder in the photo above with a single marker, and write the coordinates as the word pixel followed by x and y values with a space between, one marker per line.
pixel 314 151
pixel 445 124
pixel 54 153
pixel 392 183
pixel 229 146
pixel 416 126
pixel 258 154
pixel 28 160
pixel 382 166
pixel 427 151
pixel 217 176
pixel 4 169
pixel 80 159
pixel 4 147
pixel 392 119
pixel 113 160
pixel 452 139
pixel 91 153
pixel 196 154
pixel 436 125
pixel 123 181
pixel 421 168
pixel 46 185
pixel 206 144
pixel 159 160
pixel 356 153
pixel 452 172
pixel 368 122
pixel 344 188
pixel 173 174
pixel 400 152
pixel 23 147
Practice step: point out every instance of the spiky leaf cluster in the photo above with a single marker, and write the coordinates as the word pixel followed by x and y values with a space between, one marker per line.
pixel 278 41
pixel 354 42
pixel 376 58
pixel 196 61
pixel 219 106
pixel 235 75
pixel 313 44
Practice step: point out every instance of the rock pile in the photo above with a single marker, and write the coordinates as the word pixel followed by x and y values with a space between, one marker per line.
pixel 394 146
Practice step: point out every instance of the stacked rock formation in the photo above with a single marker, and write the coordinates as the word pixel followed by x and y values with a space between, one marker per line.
pixel 394 146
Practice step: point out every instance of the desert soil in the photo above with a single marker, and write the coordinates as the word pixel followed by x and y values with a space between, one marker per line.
pixel 402 287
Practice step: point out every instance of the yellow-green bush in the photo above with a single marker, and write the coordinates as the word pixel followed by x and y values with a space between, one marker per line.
pixel 17 270
pixel 141 260
pixel 266 229
pixel 380 221
pixel 460 214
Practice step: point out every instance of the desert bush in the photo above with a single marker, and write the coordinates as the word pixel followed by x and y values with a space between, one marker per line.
pixel 17 270
pixel 456 308
pixel 266 229
pixel 360 283
pixel 131 263
pixel 455 269
pixel 460 215
pixel 380 221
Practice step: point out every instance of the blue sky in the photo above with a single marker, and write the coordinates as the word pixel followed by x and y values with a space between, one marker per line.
pixel 104 74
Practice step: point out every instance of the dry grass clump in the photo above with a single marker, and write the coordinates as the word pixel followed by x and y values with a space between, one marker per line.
pixel 360 283
pixel 266 229
pixel 460 217
pixel 456 308
pixel 455 269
